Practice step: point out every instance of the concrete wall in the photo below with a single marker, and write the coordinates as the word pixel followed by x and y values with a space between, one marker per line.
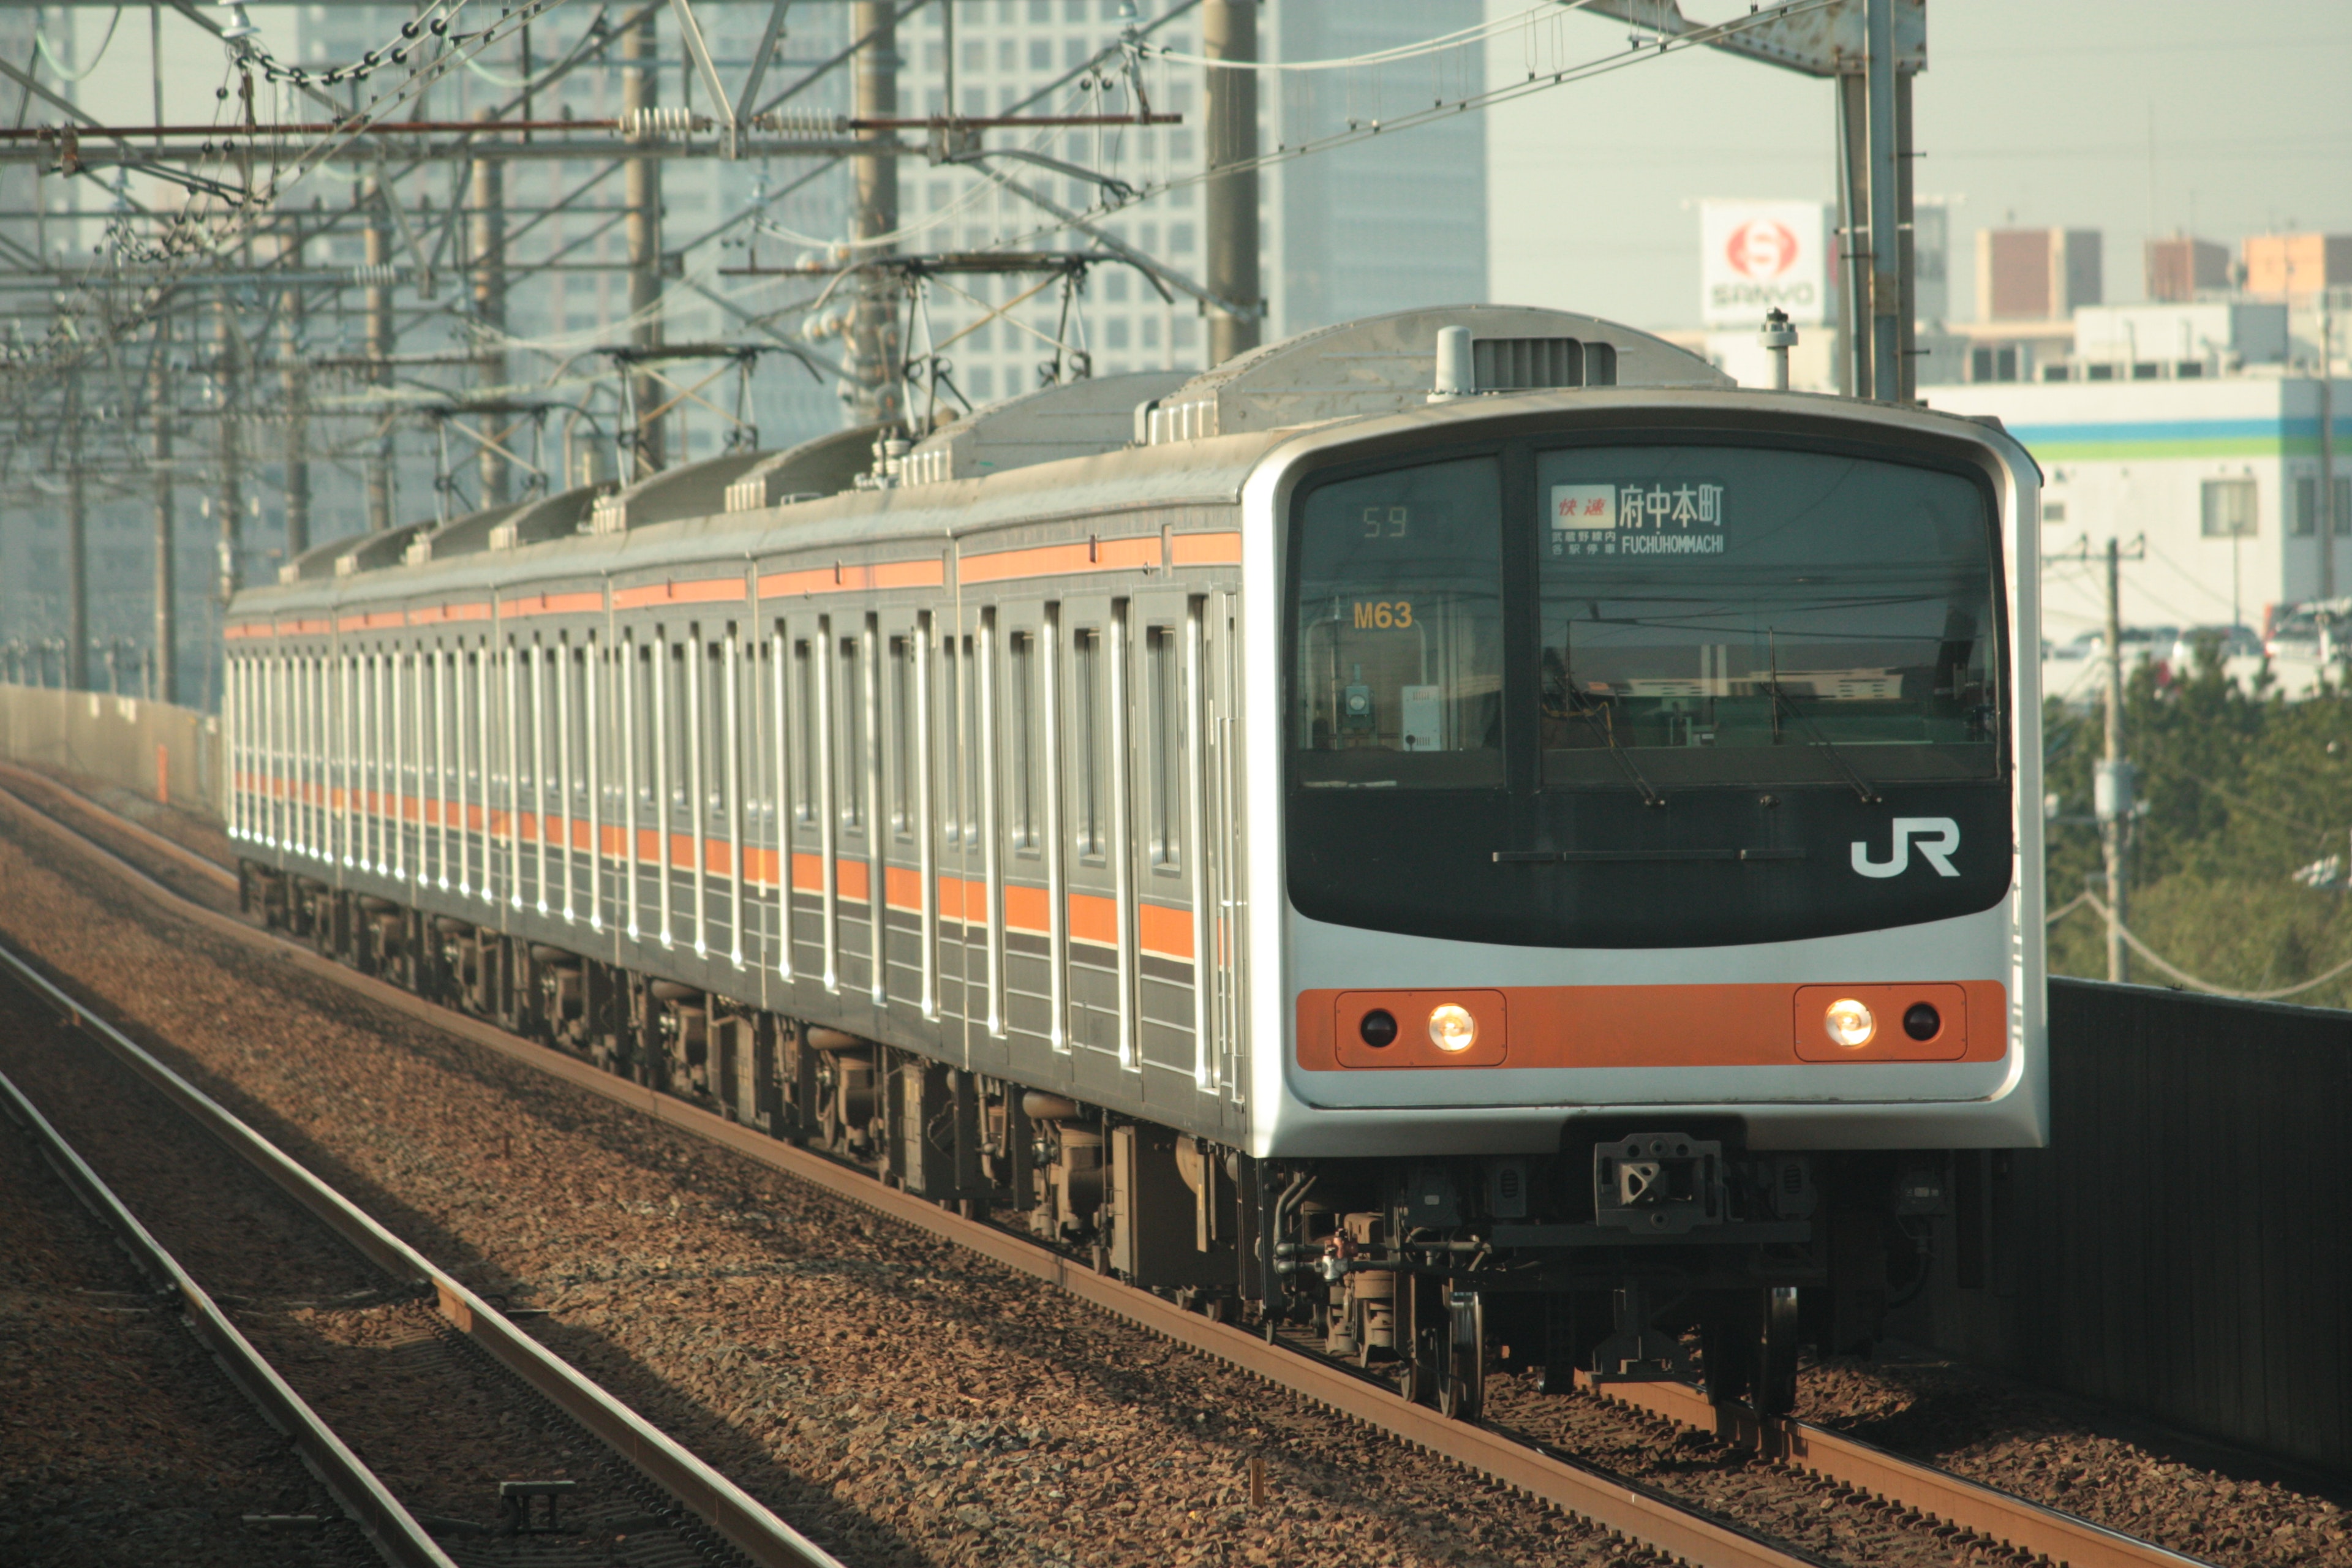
pixel 172 754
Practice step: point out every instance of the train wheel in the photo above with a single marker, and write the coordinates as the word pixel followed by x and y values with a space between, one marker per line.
pixel 1422 1337
pixel 1727 1344
pixel 1776 1352
pixel 1462 1394
pixel 1425 1373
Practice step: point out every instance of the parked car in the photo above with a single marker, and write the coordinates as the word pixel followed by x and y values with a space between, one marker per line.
pixel 2312 630
pixel 2138 643
pixel 2231 642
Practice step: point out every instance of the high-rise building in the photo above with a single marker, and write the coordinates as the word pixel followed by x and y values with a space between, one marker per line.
pixel 2182 266
pixel 1385 224
pixel 1388 224
pixel 2036 274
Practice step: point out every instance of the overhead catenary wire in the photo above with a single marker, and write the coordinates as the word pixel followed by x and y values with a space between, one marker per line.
pixel 56 68
pixel 1460 38
pixel 1361 130
pixel 2181 976
pixel 2087 900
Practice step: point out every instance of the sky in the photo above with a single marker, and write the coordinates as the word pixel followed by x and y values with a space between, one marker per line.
pixel 2127 116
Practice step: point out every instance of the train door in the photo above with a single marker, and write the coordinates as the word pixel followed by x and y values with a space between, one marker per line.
pixel 907 903
pixel 971 944
pixel 1030 927
pixel 1098 953
pixel 957 818
pixel 1191 987
pixel 1224 835
pixel 1170 1036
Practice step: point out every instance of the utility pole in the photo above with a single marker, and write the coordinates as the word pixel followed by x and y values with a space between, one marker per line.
pixel 379 349
pixel 232 455
pixel 2112 793
pixel 167 631
pixel 1229 32
pixel 1890 217
pixel 490 247
pixel 1870 49
pixel 77 546
pixel 298 418
pixel 873 348
pixel 2327 443
pixel 642 199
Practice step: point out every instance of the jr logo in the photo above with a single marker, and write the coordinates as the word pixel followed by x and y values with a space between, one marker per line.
pixel 1938 836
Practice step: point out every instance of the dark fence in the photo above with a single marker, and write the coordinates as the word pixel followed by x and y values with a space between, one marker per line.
pixel 2184 1245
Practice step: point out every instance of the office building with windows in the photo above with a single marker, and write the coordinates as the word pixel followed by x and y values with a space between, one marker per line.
pixel 1390 223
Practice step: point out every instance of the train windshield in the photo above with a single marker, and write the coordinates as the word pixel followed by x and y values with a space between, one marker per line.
pixel 1503 661
pixel 1400 629
pixel 1749 614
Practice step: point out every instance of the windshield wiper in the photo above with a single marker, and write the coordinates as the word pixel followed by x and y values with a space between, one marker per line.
pixel 1861 789
pixel 1607 733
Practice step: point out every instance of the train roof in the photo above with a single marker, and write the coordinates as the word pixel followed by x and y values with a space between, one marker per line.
pixel 1148 441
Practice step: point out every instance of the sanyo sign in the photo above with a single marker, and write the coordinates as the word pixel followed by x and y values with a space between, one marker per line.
pixel 1755 255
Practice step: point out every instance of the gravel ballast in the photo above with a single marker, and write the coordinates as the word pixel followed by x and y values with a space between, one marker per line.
pixel 121 1441
pixel 905 1402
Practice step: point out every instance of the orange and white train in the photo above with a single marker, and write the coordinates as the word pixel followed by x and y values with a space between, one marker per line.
pixel 1464 829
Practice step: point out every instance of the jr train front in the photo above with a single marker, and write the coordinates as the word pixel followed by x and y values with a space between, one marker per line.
pixel 1660 872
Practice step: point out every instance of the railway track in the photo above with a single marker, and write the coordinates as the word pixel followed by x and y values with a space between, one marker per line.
pixel 439 1426
pixel 1886 1487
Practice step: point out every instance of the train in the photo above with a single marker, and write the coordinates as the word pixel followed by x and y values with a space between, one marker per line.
pixel 1464 837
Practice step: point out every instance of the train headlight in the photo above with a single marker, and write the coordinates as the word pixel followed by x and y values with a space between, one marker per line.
pixel 1452 1028
pixel 1850 1023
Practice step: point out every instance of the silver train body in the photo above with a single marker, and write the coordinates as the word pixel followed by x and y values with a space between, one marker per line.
pixel 1231 805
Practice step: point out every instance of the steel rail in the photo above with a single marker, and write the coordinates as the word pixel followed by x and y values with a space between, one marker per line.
pixel 2036 1529
pixel 746 1523
pixel 177 853
pixel 2031 1527
pixel 1615 1505
pixel 390 1528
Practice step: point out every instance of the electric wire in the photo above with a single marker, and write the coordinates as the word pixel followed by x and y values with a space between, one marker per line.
pixel 41 46
pixel 2091 902
pixel 1361 130
pixel 1460 38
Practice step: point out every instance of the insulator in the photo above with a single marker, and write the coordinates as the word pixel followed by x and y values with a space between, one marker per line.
pixel 801 122
pixel 380 275
pixel 654 124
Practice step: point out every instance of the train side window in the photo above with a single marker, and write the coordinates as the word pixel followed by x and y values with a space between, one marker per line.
pixel 950 750
pixel 1163 695
pixel 903 718
pixel 1088 829
pixel 678 729
pixel 1023 740
pixel 850 703
pixel 717 723
pixel 972 760
pixel 805 671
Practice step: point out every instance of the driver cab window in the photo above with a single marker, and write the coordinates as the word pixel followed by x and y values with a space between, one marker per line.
pixel 1398 634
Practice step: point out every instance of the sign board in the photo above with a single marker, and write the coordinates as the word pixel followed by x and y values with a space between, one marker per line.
pixel 1757 256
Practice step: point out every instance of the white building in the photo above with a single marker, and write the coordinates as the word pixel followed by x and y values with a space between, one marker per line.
pixel 2219 477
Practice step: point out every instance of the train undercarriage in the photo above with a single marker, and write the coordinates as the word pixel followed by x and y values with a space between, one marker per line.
pixel 1637 1252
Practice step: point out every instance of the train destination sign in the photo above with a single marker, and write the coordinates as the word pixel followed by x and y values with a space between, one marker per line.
pixel 1637 518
